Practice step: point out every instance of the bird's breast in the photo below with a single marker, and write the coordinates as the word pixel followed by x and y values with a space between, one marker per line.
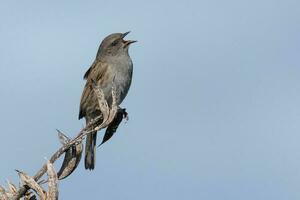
pixel 122 71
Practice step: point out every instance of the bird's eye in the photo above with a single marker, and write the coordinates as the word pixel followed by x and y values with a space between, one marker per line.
pixel 114 43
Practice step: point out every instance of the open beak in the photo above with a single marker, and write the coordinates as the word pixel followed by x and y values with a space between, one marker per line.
pixel 127 42
pixel 124 34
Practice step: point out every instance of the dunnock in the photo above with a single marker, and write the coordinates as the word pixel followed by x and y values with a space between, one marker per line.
pixel 112 65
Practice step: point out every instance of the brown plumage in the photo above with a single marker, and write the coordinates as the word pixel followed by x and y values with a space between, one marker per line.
pixel 98 72
pixel 112 65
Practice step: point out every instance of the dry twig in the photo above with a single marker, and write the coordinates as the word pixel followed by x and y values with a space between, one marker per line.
pixel 73 150
pixel 72 156
pixel 52 193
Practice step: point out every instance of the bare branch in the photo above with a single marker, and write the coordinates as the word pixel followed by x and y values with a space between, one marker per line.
pixel 72 147
pixel 72 156
pixel 63 139
pixel 12 188
pixel 52 193
pixel 103 105
pixel 31 183
pixel 3 193
pixel 109 114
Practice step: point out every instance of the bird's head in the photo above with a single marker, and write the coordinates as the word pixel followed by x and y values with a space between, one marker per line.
pixel 114 44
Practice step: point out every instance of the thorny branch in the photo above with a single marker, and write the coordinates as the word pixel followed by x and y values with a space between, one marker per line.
pixel 111 116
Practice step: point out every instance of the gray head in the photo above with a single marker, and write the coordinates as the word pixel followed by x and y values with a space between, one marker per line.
pixel 114 44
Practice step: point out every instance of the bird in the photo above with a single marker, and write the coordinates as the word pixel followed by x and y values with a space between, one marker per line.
pixel 112 66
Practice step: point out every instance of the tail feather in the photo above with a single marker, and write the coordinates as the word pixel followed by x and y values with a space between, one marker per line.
pixel 90 151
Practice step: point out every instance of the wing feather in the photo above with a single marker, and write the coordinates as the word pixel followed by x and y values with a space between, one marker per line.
pixel 95 73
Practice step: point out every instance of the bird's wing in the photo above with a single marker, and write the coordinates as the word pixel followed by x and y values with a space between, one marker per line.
pixel 95 73
pixel 87 73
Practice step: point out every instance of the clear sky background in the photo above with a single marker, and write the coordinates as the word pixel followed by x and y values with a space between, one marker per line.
pixel 214 105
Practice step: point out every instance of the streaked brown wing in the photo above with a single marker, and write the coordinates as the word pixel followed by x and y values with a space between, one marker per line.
pixel 87 73
pixel 95 73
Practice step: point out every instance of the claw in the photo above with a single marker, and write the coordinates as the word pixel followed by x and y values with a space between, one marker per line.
pixel 125 115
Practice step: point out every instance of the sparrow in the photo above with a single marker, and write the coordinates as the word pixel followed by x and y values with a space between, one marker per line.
pixel 112 65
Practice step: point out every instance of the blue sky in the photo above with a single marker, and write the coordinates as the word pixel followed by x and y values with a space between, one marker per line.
pixel 214 105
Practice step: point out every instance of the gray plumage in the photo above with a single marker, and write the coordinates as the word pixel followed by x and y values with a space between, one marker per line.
pixel 112 64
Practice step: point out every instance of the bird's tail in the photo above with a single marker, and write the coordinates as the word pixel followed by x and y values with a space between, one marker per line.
pixel 90 151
